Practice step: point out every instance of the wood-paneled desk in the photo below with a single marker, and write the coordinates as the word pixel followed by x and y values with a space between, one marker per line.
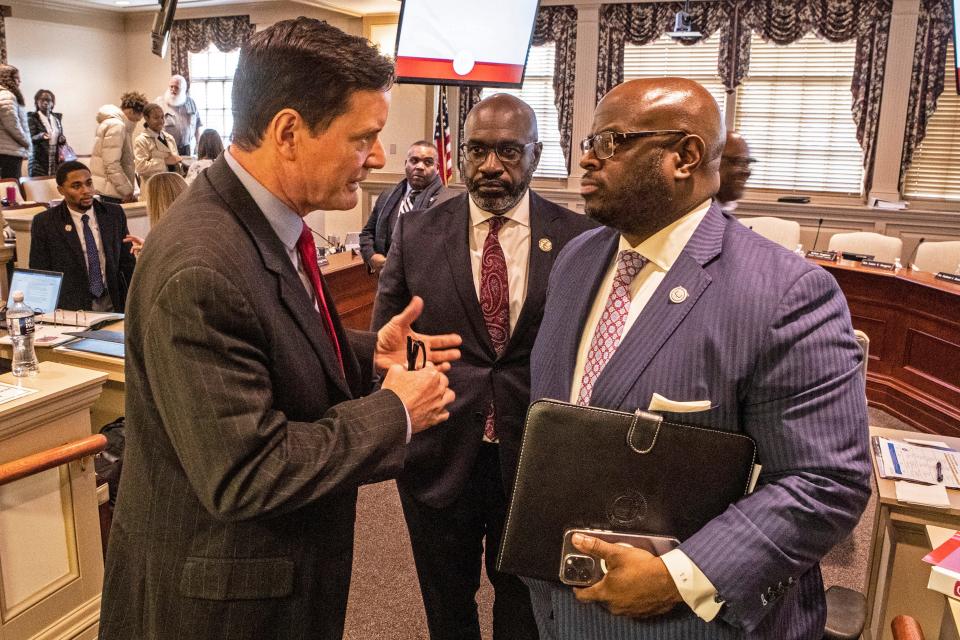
pixel 898 577
pixel 913 321
pixel 352 288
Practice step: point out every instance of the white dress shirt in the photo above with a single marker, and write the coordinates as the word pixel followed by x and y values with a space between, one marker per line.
pixel 514 239
pixel 95 228
pixel 661 250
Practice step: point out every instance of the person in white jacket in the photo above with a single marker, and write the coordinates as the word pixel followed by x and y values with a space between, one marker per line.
pixel 112 162
pixel 154 150
pixel 15 142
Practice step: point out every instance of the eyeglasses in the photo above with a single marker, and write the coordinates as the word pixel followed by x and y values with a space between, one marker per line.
pixel 738 162
pixel 507 152
pixel 604 144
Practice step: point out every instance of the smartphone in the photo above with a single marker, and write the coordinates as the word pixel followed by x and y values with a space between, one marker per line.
pixel 578 569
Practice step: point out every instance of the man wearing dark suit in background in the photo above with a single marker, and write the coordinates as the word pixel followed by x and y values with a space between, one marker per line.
pixel 481 264
pixel 248 424
pixel 674 306
pixel 83 238
pixel 421 189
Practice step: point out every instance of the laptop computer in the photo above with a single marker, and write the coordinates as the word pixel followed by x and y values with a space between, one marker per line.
pixel 41 289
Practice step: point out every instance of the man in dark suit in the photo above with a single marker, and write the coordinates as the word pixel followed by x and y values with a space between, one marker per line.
pixel 248 424
pixel 676 307
pixel 89 250
pixel 481 264
pixel 421 189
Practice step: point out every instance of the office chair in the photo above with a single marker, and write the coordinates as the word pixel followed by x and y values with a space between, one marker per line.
pixel 786 233
pixel 882 248
pixel 938 256
pixel 40 189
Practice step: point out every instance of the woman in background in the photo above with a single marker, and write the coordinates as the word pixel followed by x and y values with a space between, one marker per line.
pixel 46 131
pixel 161 190
pixel 209 148
pixel 14 129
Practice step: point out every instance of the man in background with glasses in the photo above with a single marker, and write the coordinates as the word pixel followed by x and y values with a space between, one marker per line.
pixel 674 307
pixel 481 263
pixel 735 170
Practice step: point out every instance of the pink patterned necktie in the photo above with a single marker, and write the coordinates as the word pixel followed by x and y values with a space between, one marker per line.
pixel 609 331
pixel 494 302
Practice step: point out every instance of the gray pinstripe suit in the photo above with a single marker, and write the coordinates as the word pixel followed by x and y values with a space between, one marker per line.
pixel 245 443
pixel 766 337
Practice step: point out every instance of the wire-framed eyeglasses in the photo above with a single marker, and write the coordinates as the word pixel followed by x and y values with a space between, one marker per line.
pixel 507 152
pixel 604 144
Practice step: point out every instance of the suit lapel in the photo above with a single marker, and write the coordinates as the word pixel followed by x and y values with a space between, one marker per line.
pixel 71 234
pixel 106 233
pixel 542 219
pixel 275 260
pixel 661 317
pixel 458 257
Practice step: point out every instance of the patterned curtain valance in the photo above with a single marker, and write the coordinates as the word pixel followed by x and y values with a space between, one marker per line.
pixel 934 30
pixel 557 24
pixel 3 41
pixel 195 35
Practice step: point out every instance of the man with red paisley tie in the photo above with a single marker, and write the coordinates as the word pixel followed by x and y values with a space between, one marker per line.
pixel 481 262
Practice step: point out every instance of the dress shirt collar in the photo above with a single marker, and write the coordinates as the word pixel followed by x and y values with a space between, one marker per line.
pixel 664 247
pixel 520 213
pixel 75 212
pixel 284 221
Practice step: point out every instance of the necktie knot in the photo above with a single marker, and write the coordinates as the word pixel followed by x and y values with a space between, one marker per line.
pixel 85 218
pixel 496 223
pixel 629 264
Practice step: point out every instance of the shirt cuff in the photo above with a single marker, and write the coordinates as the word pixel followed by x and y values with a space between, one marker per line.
pixel 410 424
pixel 695 588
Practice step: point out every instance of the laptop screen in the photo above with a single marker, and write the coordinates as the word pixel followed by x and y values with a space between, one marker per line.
pixel 41 289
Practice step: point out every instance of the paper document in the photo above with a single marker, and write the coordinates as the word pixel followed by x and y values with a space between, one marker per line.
pixel 904 461
pixel 78 318
pixel 10 392
pixel 933 495
pixel 45 336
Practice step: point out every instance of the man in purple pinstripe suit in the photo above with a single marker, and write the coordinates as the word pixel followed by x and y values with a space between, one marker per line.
pixel 722 329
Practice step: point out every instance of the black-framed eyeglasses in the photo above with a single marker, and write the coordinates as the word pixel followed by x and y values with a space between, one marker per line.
pixel 604 144
pixel 507 152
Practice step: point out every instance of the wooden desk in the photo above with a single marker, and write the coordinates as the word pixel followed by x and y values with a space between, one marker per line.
pixel 353 289
pixel 898 576
pixel 913 321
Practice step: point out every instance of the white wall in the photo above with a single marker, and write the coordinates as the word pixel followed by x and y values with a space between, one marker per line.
pixel 73 54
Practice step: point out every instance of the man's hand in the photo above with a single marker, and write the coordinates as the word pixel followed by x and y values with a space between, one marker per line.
pixel 392 341
pixel 637 583
pixel 377 261
pixel 425 393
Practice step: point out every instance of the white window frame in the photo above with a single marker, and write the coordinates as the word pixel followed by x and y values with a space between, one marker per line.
pixel 201 84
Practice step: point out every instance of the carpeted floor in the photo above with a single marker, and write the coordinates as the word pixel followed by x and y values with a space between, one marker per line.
pixel 385 601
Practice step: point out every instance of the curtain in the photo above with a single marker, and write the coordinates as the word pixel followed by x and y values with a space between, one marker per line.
pixel 640 24
pixel 3 40
pixel 558 25
pixel 934 29
pixel 195 35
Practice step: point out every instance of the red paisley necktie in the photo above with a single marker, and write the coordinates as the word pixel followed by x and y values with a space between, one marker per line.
pixel 494 302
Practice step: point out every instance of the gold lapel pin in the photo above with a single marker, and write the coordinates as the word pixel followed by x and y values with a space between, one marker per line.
pixel 678 295
pixel 545 245
pixel 68 228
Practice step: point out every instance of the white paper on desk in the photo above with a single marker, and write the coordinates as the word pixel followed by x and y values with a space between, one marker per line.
pixel 933 495
pixel 10 392
pixel 46 336
pixel 903 461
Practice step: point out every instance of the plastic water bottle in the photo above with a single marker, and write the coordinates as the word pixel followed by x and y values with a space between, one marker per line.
pixel 20 327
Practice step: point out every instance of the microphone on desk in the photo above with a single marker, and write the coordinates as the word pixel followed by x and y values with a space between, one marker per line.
pixel 817 237
pixel 913 254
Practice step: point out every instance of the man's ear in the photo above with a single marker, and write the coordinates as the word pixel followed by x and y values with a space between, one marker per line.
pixel 691 153
pixel 537 151
pixel 284 130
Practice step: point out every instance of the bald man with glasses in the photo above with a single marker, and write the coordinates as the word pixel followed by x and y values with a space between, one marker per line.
pixel 481 263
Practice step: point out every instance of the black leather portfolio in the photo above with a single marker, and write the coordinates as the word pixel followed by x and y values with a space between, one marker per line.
pixel 592 468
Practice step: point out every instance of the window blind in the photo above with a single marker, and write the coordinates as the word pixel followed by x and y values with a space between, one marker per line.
pixel 935 172
pixel 537 91
pixel 211 87
pixel 666 57
pixel 794 111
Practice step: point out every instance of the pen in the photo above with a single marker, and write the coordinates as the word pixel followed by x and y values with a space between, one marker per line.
pixel 939 472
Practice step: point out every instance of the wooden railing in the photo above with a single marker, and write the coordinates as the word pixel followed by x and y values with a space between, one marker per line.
pixel 37 462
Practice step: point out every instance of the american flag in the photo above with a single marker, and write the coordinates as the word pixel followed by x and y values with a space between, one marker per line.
pixel 441 138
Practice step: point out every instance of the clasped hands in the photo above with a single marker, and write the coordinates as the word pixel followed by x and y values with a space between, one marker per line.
pixel 425 392
pixel 637 583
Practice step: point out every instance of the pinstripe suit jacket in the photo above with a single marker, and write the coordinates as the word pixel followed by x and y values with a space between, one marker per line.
pixel 766 337
pixel 244 444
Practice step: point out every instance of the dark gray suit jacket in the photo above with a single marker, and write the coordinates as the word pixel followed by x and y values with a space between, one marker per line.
pixel 430 258
pixel 245 444
pixel 55 246
pixel 378 232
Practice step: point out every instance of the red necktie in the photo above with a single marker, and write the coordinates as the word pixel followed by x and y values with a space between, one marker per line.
pixel 494 302
pixel 308 259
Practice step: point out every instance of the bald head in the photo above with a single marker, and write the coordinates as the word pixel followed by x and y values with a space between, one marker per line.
pixel 653 179
pixel 507 109
pixel 734 168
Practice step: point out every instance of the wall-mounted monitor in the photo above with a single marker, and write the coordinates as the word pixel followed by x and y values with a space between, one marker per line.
pixel 480 43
